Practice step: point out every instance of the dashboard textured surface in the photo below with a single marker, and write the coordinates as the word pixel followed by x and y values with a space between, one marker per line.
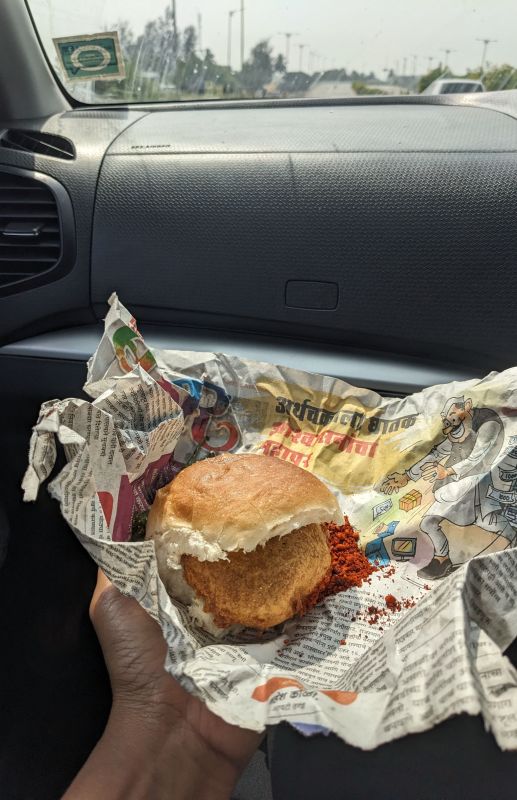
pixel 329 129
pixel 422 246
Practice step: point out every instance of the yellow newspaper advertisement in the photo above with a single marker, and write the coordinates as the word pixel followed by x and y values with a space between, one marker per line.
pixel 428 481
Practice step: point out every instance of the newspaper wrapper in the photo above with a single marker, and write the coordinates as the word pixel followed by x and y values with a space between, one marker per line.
pixel 423 479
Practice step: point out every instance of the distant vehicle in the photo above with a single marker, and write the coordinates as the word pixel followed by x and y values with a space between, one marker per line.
pixel 454 86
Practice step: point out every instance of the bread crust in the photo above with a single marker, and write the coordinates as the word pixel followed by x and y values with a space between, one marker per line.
pixel 236 502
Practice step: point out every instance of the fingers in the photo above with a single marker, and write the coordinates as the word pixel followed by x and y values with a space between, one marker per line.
pixel 431 465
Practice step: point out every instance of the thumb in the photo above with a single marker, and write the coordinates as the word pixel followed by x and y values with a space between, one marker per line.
pixel 102 584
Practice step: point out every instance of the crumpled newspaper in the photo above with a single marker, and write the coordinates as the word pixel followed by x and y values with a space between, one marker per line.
pixel 430 481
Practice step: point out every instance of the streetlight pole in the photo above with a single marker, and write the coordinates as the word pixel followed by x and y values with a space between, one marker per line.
pixel 430 60
pixel 287 35
pixel 174 25
pixel 242 34
pixel 415 60
pixel 301 48
pixel 174 36
pixel 447 51
pixel 229 42
pixel 486 42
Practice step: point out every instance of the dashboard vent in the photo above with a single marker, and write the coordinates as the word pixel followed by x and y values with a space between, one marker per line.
pixel 30 233
pixel 45 144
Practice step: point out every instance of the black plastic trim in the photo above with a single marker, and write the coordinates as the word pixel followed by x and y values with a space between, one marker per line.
pixel 66 229
pixel 388 374
pixel 43 143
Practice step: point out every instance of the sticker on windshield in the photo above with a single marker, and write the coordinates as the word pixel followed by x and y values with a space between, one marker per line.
pixel 94 57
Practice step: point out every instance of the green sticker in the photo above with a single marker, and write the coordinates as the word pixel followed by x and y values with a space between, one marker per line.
pixel 95 57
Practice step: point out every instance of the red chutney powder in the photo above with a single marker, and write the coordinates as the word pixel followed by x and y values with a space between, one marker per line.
pixel 374 614
pixel 392 603
pixel 349 566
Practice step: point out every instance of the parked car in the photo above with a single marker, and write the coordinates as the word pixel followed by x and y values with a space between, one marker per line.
pixel 454 86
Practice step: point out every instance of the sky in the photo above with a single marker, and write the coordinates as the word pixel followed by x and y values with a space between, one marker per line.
pixel 367 36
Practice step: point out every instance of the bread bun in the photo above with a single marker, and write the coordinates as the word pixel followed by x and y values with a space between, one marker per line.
pixel 243 535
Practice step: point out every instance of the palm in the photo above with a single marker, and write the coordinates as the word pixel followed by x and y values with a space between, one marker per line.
pixel 394 482
pixel 135 650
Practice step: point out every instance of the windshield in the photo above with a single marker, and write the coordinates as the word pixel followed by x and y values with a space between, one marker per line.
pixel 124 51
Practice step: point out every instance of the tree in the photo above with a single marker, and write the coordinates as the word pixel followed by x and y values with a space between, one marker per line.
pixel 120 88
pixel 360 88
pixel 210 67
pixel 259 69
pixel 280 64
pixel 500 77
pixel 189 42
pixel 433 75
pixel 126 37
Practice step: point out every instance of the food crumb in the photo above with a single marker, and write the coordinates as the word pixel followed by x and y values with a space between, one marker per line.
pixel 389 571
pixel 392 603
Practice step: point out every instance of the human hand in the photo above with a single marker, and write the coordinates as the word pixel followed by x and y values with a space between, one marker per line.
pixel 381 528
pixel 434 471
pixel 160 741
pixel 394 482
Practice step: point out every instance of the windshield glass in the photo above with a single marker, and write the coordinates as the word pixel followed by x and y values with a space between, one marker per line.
pixel 120 51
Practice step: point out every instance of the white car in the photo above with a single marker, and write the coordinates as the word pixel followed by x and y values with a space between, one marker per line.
pixel 454 86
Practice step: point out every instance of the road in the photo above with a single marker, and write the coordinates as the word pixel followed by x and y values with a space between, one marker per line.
pixel 331 89
pixel 344 89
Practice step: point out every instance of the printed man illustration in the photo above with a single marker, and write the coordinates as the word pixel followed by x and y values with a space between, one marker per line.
pixel 459 467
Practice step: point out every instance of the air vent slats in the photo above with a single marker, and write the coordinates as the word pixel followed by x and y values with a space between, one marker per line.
pixel 30 233
pixel 22 265
pixel 9 277
pixel 33 252
pixel 46 144
pixel 14 212
pixel 15 193
pixel 37 200
pixel 45 239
